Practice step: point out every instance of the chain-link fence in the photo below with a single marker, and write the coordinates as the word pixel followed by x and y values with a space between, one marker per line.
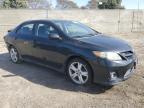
pixel 102 20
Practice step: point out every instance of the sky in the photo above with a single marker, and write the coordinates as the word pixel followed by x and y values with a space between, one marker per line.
pixel 133 4
pixel 128 4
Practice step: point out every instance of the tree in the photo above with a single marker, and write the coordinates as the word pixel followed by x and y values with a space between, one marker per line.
pixel 92 4
pixel 110 4
pixel 66 4
pixel 14 3
pixel 39 4
pixel 104 4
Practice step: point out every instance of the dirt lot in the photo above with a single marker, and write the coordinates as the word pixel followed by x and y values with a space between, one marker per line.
pixel 29 86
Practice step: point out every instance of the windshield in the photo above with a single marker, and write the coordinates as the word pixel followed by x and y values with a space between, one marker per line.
pixel 75 29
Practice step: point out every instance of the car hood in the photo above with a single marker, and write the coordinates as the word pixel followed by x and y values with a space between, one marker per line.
pixel 105 43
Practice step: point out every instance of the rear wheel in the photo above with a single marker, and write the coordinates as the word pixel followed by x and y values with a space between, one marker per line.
pixel 14 55
pixel 79 72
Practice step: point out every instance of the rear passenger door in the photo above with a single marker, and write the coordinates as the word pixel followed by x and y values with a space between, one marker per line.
pixel 24 39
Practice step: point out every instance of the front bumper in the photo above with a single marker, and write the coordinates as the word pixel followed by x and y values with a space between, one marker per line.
pixel 102 71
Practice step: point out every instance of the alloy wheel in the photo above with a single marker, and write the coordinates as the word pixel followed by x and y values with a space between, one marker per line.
pixel 78 73
pixel 14 55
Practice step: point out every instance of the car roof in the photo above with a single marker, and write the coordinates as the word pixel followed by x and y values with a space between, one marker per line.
pixel 48 20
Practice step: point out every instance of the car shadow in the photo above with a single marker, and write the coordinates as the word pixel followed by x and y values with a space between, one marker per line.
pixel 45 77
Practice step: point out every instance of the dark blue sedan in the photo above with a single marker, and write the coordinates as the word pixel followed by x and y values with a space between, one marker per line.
pixel 70 47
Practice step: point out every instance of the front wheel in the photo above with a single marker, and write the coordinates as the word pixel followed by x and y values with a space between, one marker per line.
pixel 79 72
pixel 14 55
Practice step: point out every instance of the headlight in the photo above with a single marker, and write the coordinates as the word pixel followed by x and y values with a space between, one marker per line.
pixel 108 55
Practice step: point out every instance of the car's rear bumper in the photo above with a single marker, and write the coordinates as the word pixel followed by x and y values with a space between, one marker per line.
pixel 103 69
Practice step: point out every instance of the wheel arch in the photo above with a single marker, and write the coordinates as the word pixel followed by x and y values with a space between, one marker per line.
pixel 9 46
pixel 79 57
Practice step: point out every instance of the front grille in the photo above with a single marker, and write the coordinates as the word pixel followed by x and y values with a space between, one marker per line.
pixel 127 55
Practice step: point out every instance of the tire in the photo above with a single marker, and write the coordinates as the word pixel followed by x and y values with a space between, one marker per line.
pixel 79 72
pixel 14 55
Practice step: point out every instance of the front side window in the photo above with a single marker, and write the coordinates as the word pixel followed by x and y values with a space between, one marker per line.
pixel 43 30
pixel 26 29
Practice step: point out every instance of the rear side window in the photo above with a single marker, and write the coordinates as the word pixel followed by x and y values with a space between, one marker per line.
pixel 26 29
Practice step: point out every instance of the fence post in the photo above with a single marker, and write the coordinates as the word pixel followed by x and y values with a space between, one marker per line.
pixel 119 21
pixel 47 13
pixel 132 21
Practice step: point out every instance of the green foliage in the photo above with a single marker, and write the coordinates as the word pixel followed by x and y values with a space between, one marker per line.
pixel 110 4
pixel 15 4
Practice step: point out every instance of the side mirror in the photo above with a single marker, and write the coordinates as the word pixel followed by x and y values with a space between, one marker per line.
pixel 54 36
pixel 9 31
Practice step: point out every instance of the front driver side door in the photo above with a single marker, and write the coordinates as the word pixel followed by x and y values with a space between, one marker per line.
pixel 46 50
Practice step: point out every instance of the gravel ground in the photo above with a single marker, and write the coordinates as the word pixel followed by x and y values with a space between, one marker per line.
pixel 30 86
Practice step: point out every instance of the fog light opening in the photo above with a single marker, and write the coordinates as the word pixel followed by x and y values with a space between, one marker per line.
pixel 113 75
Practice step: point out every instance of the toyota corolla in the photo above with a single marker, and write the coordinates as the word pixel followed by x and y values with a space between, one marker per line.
pixel 73 48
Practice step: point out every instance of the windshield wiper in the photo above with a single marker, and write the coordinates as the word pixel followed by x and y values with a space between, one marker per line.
pixel 78 36
pixel 86 35
pixel 91 34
